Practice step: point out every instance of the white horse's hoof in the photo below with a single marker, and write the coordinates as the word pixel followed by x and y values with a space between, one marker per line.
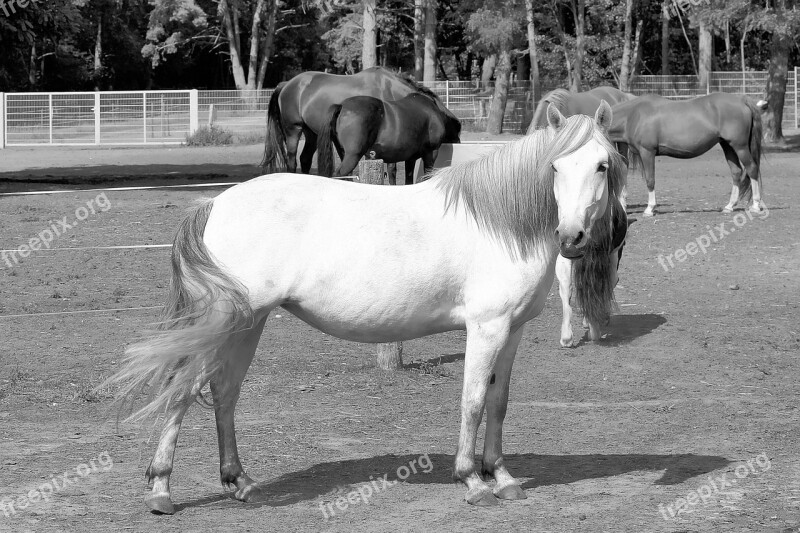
pixel 648 213
pixel 756 209
pixel 159 503
pixel 568 343
pixel 510 492
pixel 727 210
pixel 482 497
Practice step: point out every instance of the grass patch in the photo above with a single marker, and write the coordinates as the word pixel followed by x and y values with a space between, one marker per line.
pixel 210 136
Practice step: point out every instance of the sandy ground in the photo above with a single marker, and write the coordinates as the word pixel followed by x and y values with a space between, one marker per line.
pixel 695 380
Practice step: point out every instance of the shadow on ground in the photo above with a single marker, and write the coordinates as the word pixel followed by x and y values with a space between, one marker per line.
pixel 340 477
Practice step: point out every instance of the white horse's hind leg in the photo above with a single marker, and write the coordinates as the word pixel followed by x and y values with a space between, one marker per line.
pixel 564 274
pixel 507 487
pixel 159 500
pixel 732 202
pixel 225 388
pixel 485 341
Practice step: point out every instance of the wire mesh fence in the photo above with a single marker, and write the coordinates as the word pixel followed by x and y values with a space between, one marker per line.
pixel 168 117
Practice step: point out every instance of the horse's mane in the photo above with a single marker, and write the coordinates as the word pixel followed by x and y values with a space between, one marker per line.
pixel 509 193
pixel 414 84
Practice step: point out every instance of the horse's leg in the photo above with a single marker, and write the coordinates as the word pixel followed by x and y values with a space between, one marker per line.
pixel 225 388
pixel 310 146
pixel 410 165
pixel 755 177
pixel 507 488
pixel 649 175
pixel 349 162
pixel 428 159
pixel 391 171
pixel 292 141
pixel 564 274
pixel 736 174
pixel 159 500
pixel 485 341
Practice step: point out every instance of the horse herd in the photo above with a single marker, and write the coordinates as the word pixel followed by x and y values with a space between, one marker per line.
pixel 475 247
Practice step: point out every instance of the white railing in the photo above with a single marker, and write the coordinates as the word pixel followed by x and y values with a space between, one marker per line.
pixel 168 117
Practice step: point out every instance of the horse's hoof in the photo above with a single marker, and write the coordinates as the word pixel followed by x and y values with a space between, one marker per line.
pixel 159 503
pixel 648 214
pixel 756 210
pixel 568 343
pixel 481 497
pixel 247 494
pixel 510 492
pixel 727 210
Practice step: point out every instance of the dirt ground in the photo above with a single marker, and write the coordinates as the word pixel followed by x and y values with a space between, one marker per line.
pixel 692 394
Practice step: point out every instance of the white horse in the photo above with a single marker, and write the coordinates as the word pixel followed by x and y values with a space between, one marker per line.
pixel 472 248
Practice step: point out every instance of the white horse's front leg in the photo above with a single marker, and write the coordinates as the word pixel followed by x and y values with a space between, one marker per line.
pixel 485 341
pixel 507 487
pixel 564 274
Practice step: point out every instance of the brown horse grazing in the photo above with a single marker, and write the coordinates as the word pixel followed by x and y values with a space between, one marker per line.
pixel 300 106
pixel 585 103
pixel 652 125
pixel 406 130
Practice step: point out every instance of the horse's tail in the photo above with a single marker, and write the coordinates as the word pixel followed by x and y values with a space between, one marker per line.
pixel 754 145
pixel 206 306
pixel 593 273
pixel 325 140
pixel 275 158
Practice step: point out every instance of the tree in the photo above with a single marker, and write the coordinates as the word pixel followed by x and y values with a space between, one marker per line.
pixel 369 54
pixel 625 68
pixel 179 23
pixel 429 71
pixel 497 30
pixel 536 82
pixel 665 38
pixel 706 53
pixel 419 39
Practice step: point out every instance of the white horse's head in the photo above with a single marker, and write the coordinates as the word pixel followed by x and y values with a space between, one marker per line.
pixel 584 164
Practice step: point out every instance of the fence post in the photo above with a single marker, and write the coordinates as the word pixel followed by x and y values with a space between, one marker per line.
pixel 194 111
pixel 447 94
pixel 97 117
pixel 390 354
pixel 144 117
pixel 50 115
pixel 796 122
pixel 4 127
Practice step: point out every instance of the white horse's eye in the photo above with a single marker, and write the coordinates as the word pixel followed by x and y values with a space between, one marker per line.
pixel 602 167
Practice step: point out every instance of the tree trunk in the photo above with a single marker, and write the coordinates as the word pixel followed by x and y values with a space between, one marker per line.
pixel 494 124
pixel 665 38
pixel 776 87
pixel 269 39
pixel 98 54
pixel 255 45
pixel 429 73
pixel 637 52
pixel 579 12
pixel 229 18
pixel 536 84
pixel 419 39
pixel 487 70
pixel 625 68
pixel 705 54
pixel 32 66
pixel 369 50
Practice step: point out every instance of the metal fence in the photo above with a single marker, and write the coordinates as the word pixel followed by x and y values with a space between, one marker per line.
pixel 168 117
pixel 751 83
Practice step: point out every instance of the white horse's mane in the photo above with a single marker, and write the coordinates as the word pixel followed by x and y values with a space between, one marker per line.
pixel 509 192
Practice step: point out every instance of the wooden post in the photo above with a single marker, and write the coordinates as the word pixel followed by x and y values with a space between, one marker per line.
pixel 390 354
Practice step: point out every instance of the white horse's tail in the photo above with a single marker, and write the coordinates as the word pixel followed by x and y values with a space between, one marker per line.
pixel 206 306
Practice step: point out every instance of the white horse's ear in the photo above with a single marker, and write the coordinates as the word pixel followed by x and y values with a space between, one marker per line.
pixel 603 116
pixel 554 117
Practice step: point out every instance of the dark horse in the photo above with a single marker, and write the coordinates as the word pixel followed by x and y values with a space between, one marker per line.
pixel 652 125
pixel 585 103
pixel 300 106
pixel 406 130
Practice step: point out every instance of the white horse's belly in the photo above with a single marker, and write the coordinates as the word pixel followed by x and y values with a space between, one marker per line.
pixel 368 264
